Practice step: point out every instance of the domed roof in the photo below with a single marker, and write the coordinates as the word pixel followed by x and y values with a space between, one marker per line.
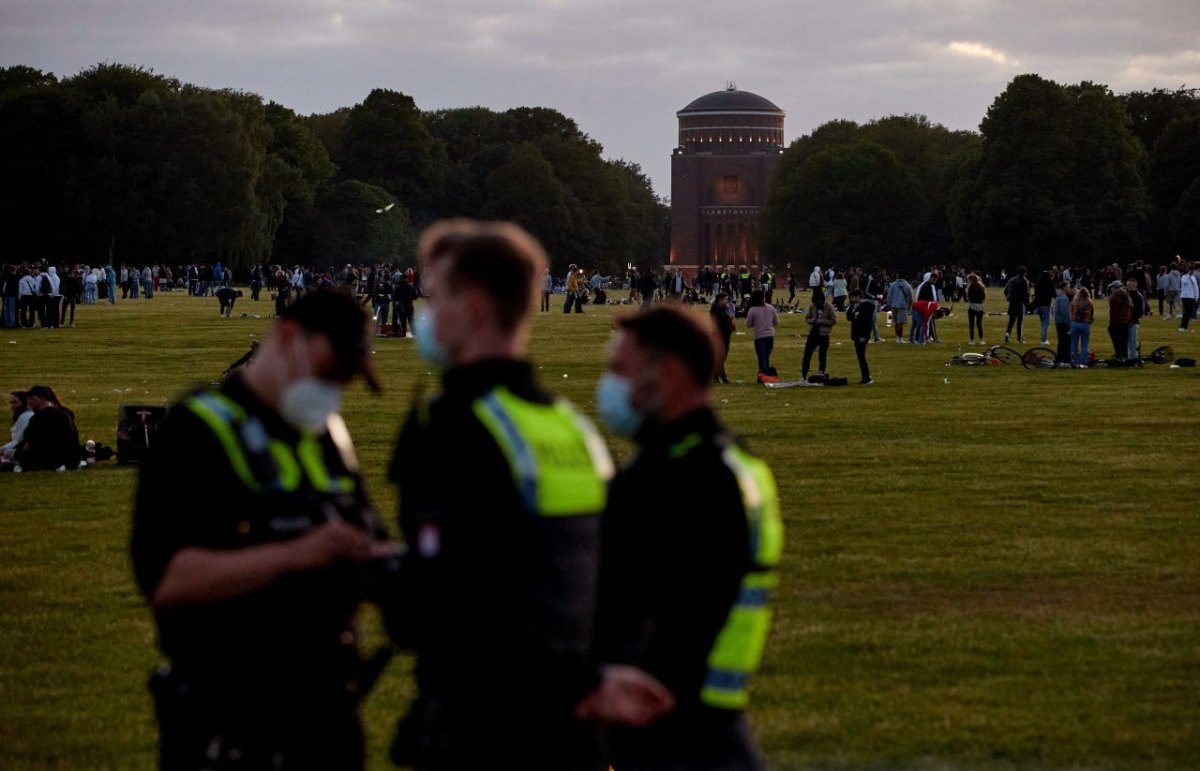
pixel 731 100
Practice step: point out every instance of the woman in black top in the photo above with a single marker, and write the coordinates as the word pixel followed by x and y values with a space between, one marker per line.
pixel 723 324
pixel 976 297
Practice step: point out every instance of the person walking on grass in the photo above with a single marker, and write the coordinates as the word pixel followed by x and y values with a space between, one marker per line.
pixel 762 319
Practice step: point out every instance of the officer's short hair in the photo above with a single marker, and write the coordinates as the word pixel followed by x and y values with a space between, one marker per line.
pixel 674 332
pixel 497 257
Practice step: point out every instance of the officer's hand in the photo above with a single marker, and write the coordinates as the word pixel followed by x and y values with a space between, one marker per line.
pixel 628 696
pixel 331 542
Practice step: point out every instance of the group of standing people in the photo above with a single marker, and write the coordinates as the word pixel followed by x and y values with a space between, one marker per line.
pixel 395 291
pixel 562 617
pixel 37 295
pixel 762 318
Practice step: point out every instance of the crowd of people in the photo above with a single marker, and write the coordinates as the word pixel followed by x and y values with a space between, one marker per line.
pixel 1061 296
pixel 563 614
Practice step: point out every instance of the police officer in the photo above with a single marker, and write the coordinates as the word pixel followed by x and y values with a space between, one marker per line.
pixel 255 573
pixel 501 489
pixel 687 568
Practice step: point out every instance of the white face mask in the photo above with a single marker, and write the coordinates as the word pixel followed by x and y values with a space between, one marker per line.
pixel 308 402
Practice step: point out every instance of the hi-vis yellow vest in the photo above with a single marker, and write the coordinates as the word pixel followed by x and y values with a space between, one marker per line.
pixel 739 645
pixel 265 463
pixel 559 463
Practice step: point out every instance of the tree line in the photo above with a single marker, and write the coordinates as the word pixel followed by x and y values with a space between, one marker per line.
pixel 121 163
pixel 118 162
pixel 1057 174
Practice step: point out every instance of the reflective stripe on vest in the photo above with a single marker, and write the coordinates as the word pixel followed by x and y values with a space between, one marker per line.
pixel 244 441
pixel 559 462
pixel 739 645
pixel 221 415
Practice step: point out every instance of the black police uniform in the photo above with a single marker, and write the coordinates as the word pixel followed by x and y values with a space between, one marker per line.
pixel 674 558
pixel 502 602
pixel 270 679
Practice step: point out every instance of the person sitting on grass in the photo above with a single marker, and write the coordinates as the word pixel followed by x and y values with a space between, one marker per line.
pixel 18 404
pixel 51 441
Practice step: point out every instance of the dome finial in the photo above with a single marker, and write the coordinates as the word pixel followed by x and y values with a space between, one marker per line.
pixel 731 85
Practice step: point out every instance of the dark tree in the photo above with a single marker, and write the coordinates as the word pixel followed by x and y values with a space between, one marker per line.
pixel 1058 177
pixel 351 229
pixel 386 144
pixel 850 204
pixel 1152 111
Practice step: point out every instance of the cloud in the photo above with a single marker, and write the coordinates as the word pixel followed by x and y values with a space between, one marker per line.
pixel 981 51
pixel 1167 71
pixel 621 68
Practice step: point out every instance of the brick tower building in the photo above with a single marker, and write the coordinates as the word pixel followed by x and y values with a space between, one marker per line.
pixel 729 143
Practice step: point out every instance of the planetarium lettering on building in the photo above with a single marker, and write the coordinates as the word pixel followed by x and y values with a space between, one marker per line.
pixel 729 143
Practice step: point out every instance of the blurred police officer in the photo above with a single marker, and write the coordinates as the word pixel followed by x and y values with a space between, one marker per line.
pixel 687 568
pixel 501 490
pixel 252 538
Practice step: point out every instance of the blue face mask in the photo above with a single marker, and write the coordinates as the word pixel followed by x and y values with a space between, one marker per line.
pixel 428 346
pixel 614 399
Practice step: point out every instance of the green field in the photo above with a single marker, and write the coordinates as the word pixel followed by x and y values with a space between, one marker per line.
pixel 986 568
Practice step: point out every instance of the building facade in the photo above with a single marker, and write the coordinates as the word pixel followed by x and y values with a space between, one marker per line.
pixel 729 143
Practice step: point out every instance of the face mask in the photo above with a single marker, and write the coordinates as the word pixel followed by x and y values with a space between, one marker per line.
pixel 428 347
pixel 614 399
pixel 308 402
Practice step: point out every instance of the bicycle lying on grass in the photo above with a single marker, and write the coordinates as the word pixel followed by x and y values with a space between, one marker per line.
pixel 995 356
pixel 1046 358
pixel 1162 355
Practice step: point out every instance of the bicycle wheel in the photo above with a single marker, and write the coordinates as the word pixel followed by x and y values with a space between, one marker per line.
pixel 1039 358
pixel 1163 355
pixel 967 360
pixel 1004 354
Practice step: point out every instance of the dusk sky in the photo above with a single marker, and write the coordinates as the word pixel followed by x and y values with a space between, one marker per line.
pixel 621 68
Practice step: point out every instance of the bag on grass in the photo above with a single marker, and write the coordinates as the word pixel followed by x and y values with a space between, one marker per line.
pixel 768 375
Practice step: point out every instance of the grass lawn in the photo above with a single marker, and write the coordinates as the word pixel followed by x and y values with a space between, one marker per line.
pixel 986 568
